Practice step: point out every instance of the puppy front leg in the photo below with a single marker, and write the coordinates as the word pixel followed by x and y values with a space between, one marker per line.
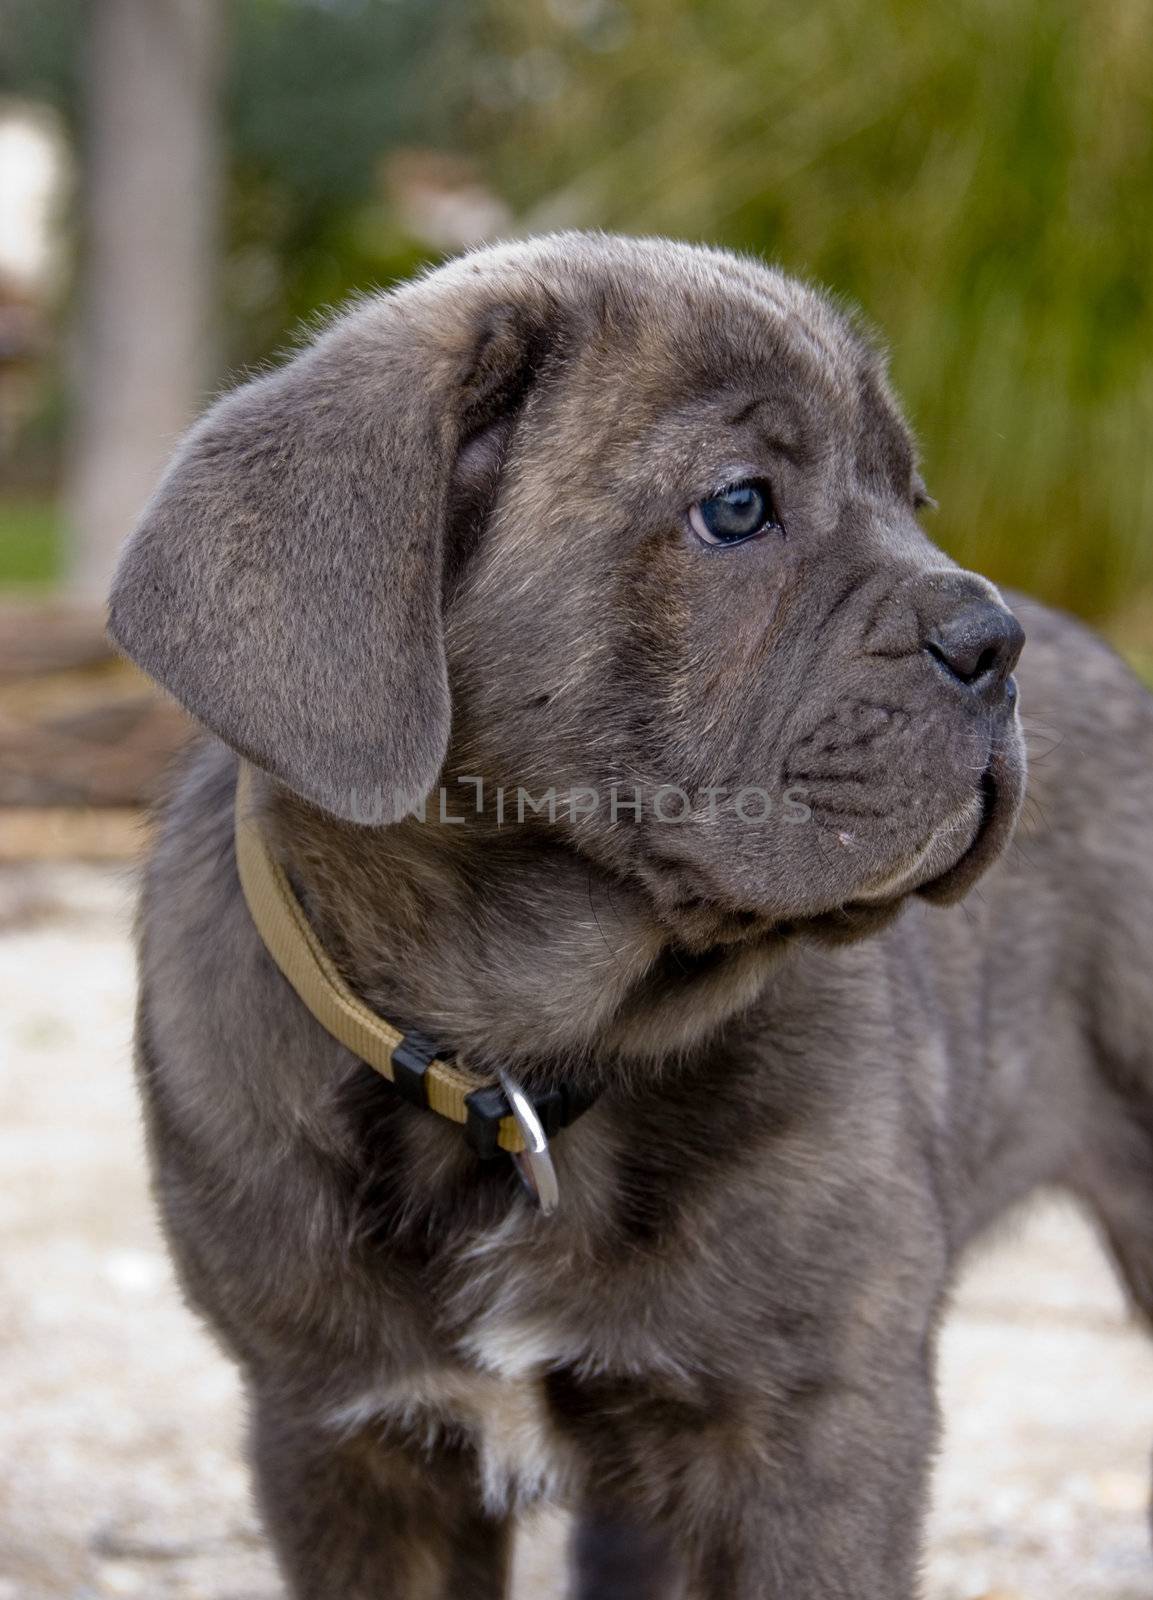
pixel 815 1496
pixel 615 1556
pixel 368 1518
pixel 843 1521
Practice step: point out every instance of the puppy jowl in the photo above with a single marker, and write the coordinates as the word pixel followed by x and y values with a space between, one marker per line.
pixel 592 990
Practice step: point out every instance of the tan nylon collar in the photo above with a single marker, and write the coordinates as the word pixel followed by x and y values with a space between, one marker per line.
pixel 292 943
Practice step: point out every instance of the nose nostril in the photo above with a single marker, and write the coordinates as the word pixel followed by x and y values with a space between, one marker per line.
pixel 987 662
pixel 964 666
pixel 978 645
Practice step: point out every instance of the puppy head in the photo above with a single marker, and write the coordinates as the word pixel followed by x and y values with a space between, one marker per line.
pixel 627 531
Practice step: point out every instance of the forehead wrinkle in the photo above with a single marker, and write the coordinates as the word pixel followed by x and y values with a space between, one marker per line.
pixel 806 378
pixel 808 313
pixel 790 318
pixel 822 365
pixel 789 444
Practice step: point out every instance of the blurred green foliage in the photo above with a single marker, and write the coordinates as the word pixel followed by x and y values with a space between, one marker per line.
pixel 976 174
pixel 29 542
pixel 317 96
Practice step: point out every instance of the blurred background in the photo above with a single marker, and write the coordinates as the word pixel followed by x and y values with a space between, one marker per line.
pixel 184 186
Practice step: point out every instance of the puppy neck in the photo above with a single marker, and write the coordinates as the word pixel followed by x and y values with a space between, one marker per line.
pixel 508 946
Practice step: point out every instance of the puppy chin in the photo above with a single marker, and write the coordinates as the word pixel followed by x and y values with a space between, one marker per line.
pixel 962 848
pixel 947 845
pixel 1002 791
pixel 703 908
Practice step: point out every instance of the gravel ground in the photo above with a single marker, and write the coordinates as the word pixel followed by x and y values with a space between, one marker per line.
pixel 119 1464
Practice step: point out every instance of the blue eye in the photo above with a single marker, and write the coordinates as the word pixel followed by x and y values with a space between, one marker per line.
pixel 738 512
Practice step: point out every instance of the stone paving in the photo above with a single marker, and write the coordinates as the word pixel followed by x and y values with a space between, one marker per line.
pixel 120 1472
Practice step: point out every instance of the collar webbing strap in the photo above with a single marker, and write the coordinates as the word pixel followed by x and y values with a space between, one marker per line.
pixel 409 1061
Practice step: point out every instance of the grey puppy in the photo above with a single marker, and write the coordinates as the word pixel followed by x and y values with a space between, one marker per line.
pixel 620 517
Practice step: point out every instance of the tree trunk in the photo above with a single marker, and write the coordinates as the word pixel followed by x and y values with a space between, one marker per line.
pixel 144 355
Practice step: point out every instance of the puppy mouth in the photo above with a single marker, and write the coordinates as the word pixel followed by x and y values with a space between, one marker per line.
pixel 938 873
pixel 1000 800
pixel 957 853
pixel 704 917
pixel 695 901
pixel 949 844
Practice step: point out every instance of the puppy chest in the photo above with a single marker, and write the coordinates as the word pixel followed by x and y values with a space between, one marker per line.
pixel 502 1414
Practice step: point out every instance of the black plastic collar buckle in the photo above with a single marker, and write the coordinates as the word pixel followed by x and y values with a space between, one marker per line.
pixel 487 1108
pixel 410 1062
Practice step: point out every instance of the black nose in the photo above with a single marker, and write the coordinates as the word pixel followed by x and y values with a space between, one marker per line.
pixel 979 644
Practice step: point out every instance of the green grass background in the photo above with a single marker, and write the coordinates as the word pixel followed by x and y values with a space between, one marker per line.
pixel 30 543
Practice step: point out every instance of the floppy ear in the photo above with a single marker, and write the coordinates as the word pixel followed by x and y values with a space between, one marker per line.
pixel 285 582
